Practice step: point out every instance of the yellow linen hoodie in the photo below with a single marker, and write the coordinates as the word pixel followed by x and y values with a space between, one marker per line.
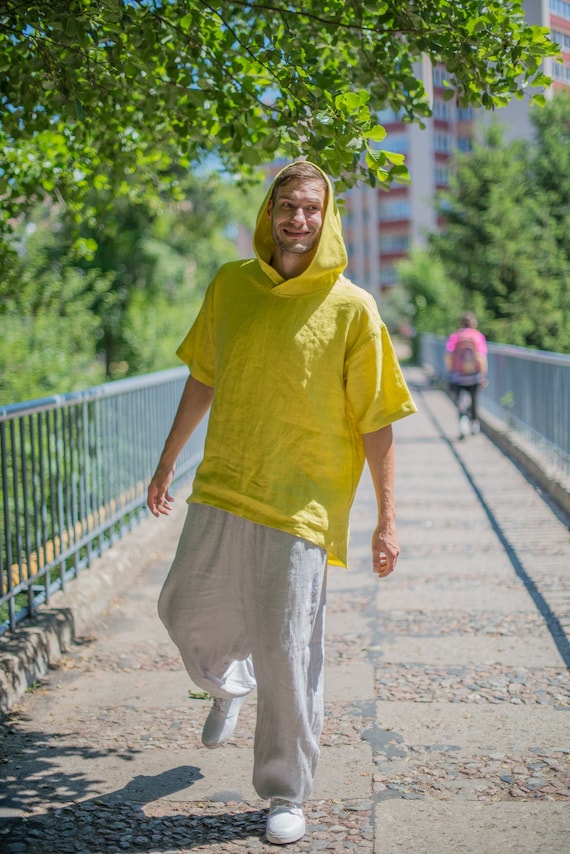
pixel 301 368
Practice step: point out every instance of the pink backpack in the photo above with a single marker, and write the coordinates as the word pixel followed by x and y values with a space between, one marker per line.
pixel 465 362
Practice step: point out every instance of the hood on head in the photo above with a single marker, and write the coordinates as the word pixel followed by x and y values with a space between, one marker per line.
pixel 329 260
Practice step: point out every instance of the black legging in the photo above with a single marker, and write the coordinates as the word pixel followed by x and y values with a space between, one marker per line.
pixel 472 389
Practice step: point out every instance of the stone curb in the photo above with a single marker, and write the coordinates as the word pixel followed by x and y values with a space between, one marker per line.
pixel 537 467
pixel 551 481
pixel 27 654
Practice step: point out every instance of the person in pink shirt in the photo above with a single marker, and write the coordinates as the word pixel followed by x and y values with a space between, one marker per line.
pixel 466 364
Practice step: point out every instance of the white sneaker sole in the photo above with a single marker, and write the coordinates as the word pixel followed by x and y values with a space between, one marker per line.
pixel 286 839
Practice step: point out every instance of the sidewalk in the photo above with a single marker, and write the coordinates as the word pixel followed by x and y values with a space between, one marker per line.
pixel 447 703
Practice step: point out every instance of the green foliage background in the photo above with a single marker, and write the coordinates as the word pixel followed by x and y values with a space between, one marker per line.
pixel 93 93
pixel 504 247
pixel 110 227
pixel 122 307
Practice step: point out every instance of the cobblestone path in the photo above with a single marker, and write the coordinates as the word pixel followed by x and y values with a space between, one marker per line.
pixel 447 700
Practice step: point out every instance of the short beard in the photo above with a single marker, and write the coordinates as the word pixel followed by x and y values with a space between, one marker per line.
pixel 296 249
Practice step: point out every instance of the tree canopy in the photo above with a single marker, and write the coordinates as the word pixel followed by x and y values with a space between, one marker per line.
pixel 94 91
pixel 69 322
pixel 503 249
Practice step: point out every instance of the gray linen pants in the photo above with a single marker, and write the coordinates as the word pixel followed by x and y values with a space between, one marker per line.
pixel 245 605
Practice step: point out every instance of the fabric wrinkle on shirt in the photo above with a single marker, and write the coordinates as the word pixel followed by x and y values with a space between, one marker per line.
pixel 301 368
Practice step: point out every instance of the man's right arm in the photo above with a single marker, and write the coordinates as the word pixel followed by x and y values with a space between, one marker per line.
pixel 194 403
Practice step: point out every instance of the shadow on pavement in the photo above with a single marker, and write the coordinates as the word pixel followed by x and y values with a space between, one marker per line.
pixel 135 818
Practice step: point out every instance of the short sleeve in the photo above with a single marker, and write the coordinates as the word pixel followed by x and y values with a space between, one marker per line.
pixel 481 343
pixel 197 348
pixel 375 385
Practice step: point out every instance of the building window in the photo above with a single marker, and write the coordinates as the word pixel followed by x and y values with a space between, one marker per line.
pixel 387 275
pixel 563 39
pixel 394 242
pixel 441 110
pixel 560 8
pixel 441 175
pixel 399 143
pixel 393 209
pixel 465 114
pixel 561 72
pixel 464 144
pixel 439 75
pixel 442 143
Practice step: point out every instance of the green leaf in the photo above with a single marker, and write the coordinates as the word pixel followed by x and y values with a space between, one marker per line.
pixel 400 174
pixel 374 159
pixel 352 100
pixel 324 118
pixel 395 157
pixel 376 133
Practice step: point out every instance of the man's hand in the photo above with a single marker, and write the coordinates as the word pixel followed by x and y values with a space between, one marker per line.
pixel 194 403
pixel 159 500
pixel 385 550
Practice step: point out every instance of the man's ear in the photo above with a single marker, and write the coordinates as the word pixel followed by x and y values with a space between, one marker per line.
pixel 269 207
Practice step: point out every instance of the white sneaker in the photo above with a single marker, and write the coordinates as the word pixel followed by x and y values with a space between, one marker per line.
pixel 221 721
pixel 285 822
pixel 475 427
pixel 464 425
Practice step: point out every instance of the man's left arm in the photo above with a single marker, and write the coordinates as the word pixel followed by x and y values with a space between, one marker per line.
pixel 379 450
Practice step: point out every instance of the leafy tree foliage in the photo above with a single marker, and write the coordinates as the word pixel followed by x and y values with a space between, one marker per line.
pixel 504 241
pixel 159 262
pixel 431 295
pixel 551 171
pixel 49 331
pixel 94 92
pixel 106 107
pixel 124 307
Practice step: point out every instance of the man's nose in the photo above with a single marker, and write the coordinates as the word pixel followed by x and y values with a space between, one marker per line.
pixel 299 215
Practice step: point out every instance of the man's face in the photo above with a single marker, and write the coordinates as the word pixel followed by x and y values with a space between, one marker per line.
pixel 297 216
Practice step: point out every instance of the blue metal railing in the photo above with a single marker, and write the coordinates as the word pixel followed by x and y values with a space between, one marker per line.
pixel 75 467
pixel 528 391
pixel 74 474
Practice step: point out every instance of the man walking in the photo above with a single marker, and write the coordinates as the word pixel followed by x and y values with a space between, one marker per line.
pixel 302 384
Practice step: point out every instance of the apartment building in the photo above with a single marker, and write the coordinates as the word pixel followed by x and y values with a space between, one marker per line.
pixel 381 227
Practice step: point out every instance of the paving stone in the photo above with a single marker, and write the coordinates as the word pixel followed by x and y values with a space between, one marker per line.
pixel 493 683
pixel 446 704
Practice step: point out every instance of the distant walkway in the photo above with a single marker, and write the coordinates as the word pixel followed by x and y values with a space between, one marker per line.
pixel 448 691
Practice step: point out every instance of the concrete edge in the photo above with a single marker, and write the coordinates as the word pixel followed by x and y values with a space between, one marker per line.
pixel 550 480
pixel 27 654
